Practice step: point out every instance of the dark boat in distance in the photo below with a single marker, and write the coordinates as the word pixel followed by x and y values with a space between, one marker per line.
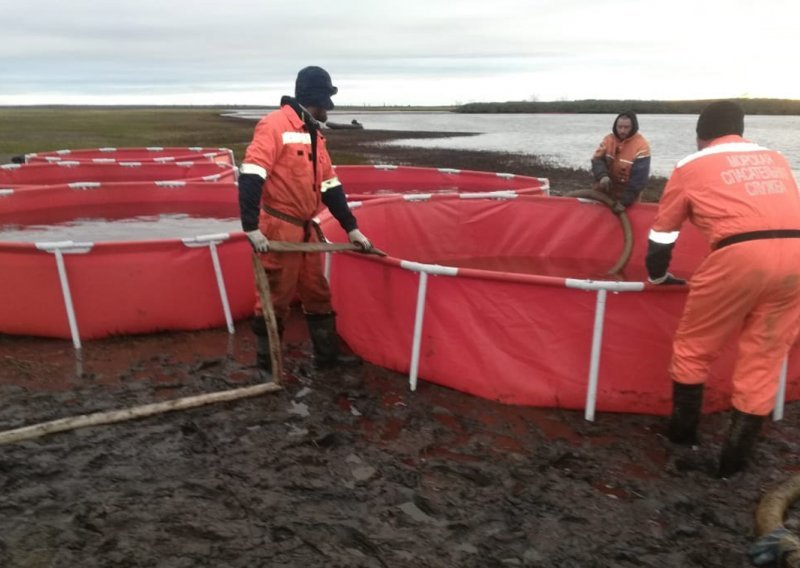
pixel 354 125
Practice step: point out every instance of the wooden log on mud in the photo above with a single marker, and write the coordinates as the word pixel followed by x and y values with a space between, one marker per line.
pixel 122 415
pixel 113 416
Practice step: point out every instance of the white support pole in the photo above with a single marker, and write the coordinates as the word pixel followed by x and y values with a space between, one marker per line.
pixel 58 249
pixel 421 292
pixel 223 293
pixel 211 241
pixel 597 345
pixel 780 397
pixel 62 276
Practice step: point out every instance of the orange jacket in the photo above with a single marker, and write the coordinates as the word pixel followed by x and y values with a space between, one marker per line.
pixel 280 153
pixel 626 162
pixel 732 186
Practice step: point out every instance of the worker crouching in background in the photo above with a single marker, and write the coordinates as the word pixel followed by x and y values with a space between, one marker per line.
pixel 285 176
pixel 621 163
pixel 744 198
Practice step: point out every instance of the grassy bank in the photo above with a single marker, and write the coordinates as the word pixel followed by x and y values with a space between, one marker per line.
pixel 24 129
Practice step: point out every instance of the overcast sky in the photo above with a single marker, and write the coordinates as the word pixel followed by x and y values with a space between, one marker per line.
pixel 416 52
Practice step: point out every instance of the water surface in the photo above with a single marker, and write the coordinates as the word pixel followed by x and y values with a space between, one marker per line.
pixel 142 228
pixel 566 139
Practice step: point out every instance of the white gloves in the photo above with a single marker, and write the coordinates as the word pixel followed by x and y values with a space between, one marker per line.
pixel 604 183
pixel 358 238
pixel 258 240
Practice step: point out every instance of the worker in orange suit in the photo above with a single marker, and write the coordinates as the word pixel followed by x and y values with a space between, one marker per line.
pixel 744 198
pixel 621 163
pixel 285 176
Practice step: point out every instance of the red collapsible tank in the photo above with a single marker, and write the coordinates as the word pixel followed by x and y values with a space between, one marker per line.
pixel 372 182
pixel 147 154
pixel 87 173
pixel 126 287
pixel 522 338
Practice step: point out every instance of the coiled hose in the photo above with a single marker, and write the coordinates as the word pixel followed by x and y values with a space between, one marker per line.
pixel 627 233
pixel 776 545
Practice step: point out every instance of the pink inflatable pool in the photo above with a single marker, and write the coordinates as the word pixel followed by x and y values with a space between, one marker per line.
pixel 446 308
pixel 151 154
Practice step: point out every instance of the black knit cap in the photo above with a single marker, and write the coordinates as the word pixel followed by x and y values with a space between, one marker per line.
pixel 314 87
pixel 720 119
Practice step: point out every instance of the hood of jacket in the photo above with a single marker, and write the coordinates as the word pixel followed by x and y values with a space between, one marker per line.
pixel 634 123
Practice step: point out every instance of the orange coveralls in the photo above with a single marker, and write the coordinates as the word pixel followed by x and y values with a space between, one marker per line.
pixel 734 187
pixel 282 147
pixel 620 156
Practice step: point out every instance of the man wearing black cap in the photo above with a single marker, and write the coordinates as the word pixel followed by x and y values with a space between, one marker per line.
pixel 285 177
pixel 744 198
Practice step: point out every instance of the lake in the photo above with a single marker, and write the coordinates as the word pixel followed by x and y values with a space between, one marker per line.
pixel 565 139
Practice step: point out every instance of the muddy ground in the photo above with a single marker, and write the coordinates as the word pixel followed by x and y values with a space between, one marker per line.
pixel 349 469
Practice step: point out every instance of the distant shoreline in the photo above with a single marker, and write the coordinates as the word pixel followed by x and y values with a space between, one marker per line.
pixel 759 106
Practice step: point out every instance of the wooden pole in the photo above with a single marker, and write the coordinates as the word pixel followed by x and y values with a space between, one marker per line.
pixel 282 246
pixel 113 416
pixel 268 311
pixel 262 286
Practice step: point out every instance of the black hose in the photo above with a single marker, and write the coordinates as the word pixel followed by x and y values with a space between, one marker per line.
pixel 627 232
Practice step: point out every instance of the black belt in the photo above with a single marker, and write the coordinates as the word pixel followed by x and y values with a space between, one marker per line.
pixel 306 224
pixel 758 235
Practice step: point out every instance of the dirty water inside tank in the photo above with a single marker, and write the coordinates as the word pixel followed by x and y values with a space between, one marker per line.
pixel 140 228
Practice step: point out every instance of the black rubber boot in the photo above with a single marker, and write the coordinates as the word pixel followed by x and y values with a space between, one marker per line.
pixel 740 442
pixel 263 359
pixel 687 406
pixel 327 354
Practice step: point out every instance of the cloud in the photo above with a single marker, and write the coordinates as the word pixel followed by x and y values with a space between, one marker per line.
pixel 411 51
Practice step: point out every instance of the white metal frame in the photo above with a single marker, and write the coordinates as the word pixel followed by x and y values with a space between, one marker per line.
pixel 59 249
pixel 211 241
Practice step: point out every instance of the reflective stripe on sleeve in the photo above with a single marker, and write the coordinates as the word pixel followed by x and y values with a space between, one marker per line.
pixel 329 184
pixel 297 138
pixel 663 238
pixel 253 169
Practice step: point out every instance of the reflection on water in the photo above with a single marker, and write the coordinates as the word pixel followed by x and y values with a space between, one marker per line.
pixel 566 139
pixel 146 227
pixel 584 268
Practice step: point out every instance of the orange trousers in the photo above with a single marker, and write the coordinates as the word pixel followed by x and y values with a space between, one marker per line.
pixel 752 288
pixel 293 274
